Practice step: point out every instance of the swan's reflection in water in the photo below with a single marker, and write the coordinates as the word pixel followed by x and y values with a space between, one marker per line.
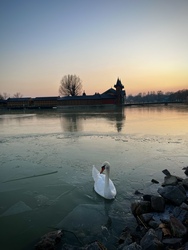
pixel 87 222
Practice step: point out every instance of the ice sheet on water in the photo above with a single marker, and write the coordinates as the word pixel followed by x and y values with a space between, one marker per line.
pixel 42 200
pixel 17 208
pixel 85 217
pixel 14 116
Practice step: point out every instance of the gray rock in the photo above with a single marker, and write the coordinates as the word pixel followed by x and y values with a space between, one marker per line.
pixel 184 206
pixel 147 197
pixel 164 216
pixel 125 237
pixel 146 217
pixel 127 242
pixel 170 180
pixel 154 181
pixel 180 179
pixel 134 205
pixel 158 203
pixel 185 246
pixel 185 183
pixel 49 240
pixel 175 194
pixel 186 170
pixel 133 246
pixel 150 241
pixel 172 242
pixel 178 229
pixel 140 207
pixel 70 247
pixel 137 192
pixel 159 234
pixel 180 213
pixel 96 245
pixel 166 172
pixel 181 187
pixel 153 224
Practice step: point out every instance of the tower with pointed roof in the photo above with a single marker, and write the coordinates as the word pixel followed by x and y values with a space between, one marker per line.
pixel 119 92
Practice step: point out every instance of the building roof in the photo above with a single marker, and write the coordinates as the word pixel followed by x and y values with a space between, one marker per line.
pixel 15 99
pixel 87 97
pixel 119 84
pixel 110 91
pixel 46 98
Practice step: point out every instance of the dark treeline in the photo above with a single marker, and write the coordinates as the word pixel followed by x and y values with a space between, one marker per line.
pixel 159 96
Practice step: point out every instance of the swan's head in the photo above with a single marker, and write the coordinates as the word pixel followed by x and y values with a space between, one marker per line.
pixel 106 165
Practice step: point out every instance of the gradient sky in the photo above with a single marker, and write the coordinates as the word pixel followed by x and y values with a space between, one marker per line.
pixel 143 42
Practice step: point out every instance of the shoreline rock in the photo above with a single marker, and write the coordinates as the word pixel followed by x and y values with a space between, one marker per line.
pixel 163 218
pixel 162 221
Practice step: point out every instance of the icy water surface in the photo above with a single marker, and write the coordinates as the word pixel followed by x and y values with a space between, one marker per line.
pixel 46 158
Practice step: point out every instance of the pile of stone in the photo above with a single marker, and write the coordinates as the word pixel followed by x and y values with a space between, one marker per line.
pixel 51 240
pixel 162 221
pixel 162 218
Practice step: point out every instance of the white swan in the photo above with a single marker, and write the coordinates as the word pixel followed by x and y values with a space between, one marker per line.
pixel 102 183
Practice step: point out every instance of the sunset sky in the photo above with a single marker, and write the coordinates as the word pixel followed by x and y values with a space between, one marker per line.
pixel 143 42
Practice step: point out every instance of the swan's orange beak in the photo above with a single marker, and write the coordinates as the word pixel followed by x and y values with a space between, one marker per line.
pixel 102 169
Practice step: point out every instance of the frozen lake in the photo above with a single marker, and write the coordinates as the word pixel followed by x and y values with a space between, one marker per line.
pixel 46 158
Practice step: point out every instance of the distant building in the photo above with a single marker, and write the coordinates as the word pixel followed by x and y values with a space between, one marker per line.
pixel 109 97
pixel 45 102
pixel 86 100
pixel 19 103
pixel 3 103
pixel 120 93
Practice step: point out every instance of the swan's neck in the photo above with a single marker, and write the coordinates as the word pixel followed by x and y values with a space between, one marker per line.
pixel 107 175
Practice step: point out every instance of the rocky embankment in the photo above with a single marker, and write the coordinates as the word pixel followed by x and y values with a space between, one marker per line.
pixel 162 221
pixel 162 218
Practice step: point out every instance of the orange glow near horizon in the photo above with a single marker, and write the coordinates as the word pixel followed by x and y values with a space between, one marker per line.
pixel 143 43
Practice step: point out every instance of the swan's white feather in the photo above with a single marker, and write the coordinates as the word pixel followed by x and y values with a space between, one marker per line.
pixel 99 185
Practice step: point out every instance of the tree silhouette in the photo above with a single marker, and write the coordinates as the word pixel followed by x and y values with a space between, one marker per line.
pixel 70 85
pixel 159 96
pixel 4 96
pixel 18 95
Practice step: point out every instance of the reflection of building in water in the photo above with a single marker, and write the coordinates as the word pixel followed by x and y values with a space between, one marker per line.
pixel 118 116
pixel 114 97
pixel 71 122
pixel 75 122
pixel 120 119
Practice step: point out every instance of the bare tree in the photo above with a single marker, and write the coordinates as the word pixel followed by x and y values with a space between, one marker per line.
pixel 18 95
pixel 4 96
pixel 70 85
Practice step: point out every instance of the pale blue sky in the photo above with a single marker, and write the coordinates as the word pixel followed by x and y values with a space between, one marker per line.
pixel 143 42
